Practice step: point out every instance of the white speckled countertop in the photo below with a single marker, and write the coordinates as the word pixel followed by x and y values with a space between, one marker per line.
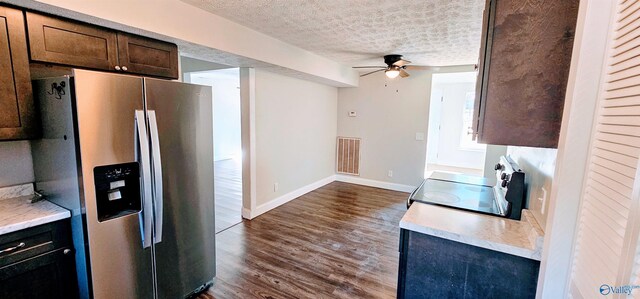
pixel 521 238
pixel 16 212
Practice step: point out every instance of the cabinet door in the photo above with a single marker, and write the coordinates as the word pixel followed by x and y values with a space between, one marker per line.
pixel 17 112
pixel 59 41
pixel 50 275
pixel 523 71
pixel 145 56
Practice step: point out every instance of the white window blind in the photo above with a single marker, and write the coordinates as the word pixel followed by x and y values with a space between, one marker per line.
pixel 606 250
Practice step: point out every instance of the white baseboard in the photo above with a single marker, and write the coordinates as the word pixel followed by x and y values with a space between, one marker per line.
pixel 374 183
pixel 278 201
pixel 246 213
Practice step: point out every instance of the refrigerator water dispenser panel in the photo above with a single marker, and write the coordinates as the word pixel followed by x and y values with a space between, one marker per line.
pixel 117 190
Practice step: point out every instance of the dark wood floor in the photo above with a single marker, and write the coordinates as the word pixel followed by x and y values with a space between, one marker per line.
pixel 228 193
pixel 339 241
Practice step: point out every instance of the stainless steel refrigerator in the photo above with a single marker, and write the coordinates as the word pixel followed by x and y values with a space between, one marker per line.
pixel 132 158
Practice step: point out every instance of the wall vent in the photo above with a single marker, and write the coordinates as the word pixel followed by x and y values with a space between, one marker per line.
pixel 348 156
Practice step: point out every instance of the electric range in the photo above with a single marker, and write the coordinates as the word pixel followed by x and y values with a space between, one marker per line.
pixel 506 198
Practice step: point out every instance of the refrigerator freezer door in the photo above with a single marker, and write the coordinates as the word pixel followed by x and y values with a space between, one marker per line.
pixel 185 257
pixel 105 111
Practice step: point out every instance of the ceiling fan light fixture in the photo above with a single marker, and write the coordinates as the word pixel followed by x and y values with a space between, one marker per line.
pixel 392 73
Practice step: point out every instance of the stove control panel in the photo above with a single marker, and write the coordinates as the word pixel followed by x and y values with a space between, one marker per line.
pixel 512 187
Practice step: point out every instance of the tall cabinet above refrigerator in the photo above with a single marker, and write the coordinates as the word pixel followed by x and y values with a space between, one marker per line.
pixel 132 158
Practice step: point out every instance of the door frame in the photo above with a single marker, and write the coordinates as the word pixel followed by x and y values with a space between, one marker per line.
pixel 248 133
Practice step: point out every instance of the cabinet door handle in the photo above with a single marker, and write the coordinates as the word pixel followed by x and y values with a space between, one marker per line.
pixel 117 68
pixel 124 68
pixel 22 244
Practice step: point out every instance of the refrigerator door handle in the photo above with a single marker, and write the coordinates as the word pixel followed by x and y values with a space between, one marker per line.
pixel 143 158
pixel 157 175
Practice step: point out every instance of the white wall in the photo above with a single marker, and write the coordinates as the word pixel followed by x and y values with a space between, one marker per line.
pixel 16 165
pixel 389 114
pixel 226 110
pixel 295 124
pixel 538 165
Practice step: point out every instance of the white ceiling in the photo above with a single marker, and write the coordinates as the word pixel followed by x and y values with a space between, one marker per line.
pixel 359 32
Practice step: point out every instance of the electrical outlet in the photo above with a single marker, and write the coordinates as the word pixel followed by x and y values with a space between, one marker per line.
pixel 390 173
pixel 419 136
pixel 275 187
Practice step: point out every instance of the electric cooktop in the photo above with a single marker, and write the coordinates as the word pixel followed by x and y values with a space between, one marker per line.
pixel 460 195
pixel 476 194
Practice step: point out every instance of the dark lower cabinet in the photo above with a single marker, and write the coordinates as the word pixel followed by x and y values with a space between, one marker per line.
pixel 38 262
pixel 50 275
pixel 18 119
pixel 432 267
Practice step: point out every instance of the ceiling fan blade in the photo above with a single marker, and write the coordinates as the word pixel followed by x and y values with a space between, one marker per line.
pixel 404 73
pixel 369 73
pixel 423 67
pixel 401 62
pixel 369 67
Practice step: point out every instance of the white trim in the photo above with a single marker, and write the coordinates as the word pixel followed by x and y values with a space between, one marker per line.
pixel 246 213
pixel 587 61
pixel 278 201
pixel 374 183
pixel 248 132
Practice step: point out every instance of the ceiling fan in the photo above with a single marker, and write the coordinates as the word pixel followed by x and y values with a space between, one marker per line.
pixel 396 66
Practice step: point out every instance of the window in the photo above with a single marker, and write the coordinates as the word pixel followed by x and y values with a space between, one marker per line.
pixel 466 138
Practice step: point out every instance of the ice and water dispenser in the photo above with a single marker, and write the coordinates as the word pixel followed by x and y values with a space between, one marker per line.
pixel 117 190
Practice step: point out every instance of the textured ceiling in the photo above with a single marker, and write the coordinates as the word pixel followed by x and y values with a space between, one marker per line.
pixel 359 32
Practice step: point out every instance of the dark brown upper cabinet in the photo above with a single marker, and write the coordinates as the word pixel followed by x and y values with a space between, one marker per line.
pixel 524 66
pixel 141 55
pixel 71 43
pixel 54 40
pixel 18 119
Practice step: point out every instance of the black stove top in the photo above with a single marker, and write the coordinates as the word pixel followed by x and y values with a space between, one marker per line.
pixel 475 194
pixel 460 195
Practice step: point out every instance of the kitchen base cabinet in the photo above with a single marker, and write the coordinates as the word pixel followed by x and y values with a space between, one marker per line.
pixel 432 267
pixel 38 262
pixel 50 275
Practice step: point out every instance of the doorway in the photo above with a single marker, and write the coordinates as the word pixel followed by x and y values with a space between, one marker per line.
pixel 450 146
pixel 227 142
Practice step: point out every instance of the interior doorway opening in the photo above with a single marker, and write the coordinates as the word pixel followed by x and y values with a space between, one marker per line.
pixel 450 146
pixel 227 140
